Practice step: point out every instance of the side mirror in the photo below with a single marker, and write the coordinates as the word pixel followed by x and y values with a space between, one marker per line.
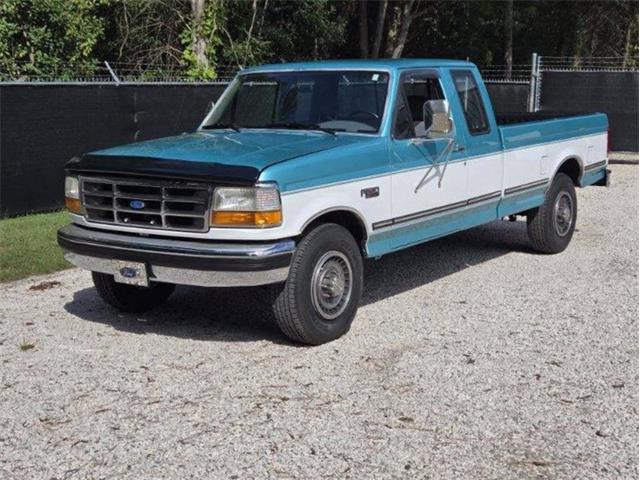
pixel 212 104
pixel 437 119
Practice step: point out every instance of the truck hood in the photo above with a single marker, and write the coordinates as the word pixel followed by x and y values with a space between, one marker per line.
pixel 233 157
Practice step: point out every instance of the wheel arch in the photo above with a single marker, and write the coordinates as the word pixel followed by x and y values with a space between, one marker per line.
pixel 572 166
pixel 346 217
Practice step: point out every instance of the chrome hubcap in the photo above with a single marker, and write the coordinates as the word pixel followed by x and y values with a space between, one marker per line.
pixel 563 213
pixel 331 284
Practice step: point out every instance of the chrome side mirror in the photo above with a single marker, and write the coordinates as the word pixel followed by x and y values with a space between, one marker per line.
pixel 437 118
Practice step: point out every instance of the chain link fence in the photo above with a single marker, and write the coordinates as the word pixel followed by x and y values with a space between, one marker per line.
pixel 518 73
pixel 596 64
pixel 110 72
pixel 540 63
pixel 123 72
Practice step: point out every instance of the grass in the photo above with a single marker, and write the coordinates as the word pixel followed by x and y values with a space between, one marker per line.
pixel 28 245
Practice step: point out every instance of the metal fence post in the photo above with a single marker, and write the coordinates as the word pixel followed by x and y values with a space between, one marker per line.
pixel 536 103
pixel 533 83
pixel 112 73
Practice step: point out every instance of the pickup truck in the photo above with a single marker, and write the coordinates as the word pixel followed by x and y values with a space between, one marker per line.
pixel 301 171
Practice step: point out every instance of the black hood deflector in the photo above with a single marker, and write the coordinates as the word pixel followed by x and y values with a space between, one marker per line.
pixel 164 168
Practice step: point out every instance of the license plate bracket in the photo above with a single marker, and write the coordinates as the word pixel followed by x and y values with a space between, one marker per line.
pixel 130 273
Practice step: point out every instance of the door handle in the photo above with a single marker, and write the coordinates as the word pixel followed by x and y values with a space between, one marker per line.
pixel 459 148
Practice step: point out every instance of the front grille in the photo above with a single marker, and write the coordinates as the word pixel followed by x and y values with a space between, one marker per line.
pixel 162 204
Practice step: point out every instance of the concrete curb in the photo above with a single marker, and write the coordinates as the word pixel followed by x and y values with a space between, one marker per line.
pixel 623 158
pixel 622 162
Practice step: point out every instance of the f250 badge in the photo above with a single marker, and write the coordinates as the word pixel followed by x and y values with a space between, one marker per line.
pixel 136 204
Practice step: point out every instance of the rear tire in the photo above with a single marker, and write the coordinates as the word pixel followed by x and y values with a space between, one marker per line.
pixel 321 295
pixel 130 298
pixel 551 225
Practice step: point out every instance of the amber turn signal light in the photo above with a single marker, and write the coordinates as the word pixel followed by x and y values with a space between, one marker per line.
pixel 271 218
pixel 73 205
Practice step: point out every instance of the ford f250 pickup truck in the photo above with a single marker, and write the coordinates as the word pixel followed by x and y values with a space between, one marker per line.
pixel 301 171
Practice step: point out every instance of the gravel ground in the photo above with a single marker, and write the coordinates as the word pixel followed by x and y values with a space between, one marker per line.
pixel 470 357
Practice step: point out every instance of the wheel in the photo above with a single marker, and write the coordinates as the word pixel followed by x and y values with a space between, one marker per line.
pixel 321 295
pixel 129 298
pixel 551 225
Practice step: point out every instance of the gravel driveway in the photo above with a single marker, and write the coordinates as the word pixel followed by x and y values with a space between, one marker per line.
pixel 470 357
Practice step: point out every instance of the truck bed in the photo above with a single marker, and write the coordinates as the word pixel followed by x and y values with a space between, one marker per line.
pixel 528 129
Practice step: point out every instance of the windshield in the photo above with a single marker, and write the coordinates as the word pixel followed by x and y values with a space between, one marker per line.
pixel 331 101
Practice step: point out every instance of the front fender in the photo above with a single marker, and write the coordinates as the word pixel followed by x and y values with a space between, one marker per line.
pixel 334 180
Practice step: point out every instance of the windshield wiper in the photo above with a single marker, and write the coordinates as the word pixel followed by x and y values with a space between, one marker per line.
pixel 305 126
pixel 231 126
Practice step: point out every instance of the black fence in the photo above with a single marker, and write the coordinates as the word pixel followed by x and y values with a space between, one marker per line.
pixel 43 126
pixel 613 93
pixel 508 97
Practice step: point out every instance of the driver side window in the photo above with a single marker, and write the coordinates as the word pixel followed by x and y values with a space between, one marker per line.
pixel 415 91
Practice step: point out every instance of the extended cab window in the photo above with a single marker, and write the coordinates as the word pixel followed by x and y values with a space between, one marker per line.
pixel 340 101
pixel 416 90
pixel 471 101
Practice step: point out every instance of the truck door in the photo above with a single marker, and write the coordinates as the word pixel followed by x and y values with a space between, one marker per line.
pixel 429 171
pixel 482 139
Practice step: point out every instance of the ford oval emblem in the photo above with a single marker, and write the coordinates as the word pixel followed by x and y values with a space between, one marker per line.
pixel 136 204
pixel 128 272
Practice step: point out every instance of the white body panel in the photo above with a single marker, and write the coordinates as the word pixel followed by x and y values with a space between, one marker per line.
pixel 406 200
pixel 485 175
pixel 538 162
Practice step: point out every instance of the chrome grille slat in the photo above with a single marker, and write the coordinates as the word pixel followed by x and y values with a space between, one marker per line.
pixel 171 198
pixel 154 211
pixel 167 204
pixel 141 196
pixel 186 215
pixel 99 194
pixel 99 207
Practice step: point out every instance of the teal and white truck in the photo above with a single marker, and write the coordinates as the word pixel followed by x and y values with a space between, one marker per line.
pixel 300 171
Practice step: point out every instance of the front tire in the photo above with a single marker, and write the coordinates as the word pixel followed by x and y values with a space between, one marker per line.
pixel 551 225
pixel 130 298
pixel 324 287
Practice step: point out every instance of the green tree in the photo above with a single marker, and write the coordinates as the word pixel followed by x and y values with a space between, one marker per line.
pixel 64 38
pixel 150 37
pixel 201 38
pixel 48 37
pixel 283 30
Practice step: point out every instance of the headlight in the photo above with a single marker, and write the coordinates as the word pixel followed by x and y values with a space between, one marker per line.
pixel 246 207
pixel 72 194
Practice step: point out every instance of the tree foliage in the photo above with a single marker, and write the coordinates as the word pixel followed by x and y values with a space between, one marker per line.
pixel 48 37
pixel 202 37
pixel 281 30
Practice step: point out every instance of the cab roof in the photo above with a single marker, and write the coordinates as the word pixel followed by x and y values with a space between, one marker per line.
pixel 382 64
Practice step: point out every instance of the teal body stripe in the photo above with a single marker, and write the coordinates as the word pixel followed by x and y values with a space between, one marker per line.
pixel 407 235
pixel 522 201
pixel 394 238
pixel 590 178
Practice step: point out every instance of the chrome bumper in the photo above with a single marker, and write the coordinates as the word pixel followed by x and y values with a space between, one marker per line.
pixel 179 261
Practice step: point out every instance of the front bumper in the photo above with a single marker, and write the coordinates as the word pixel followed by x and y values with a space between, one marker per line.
pixel 179 261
